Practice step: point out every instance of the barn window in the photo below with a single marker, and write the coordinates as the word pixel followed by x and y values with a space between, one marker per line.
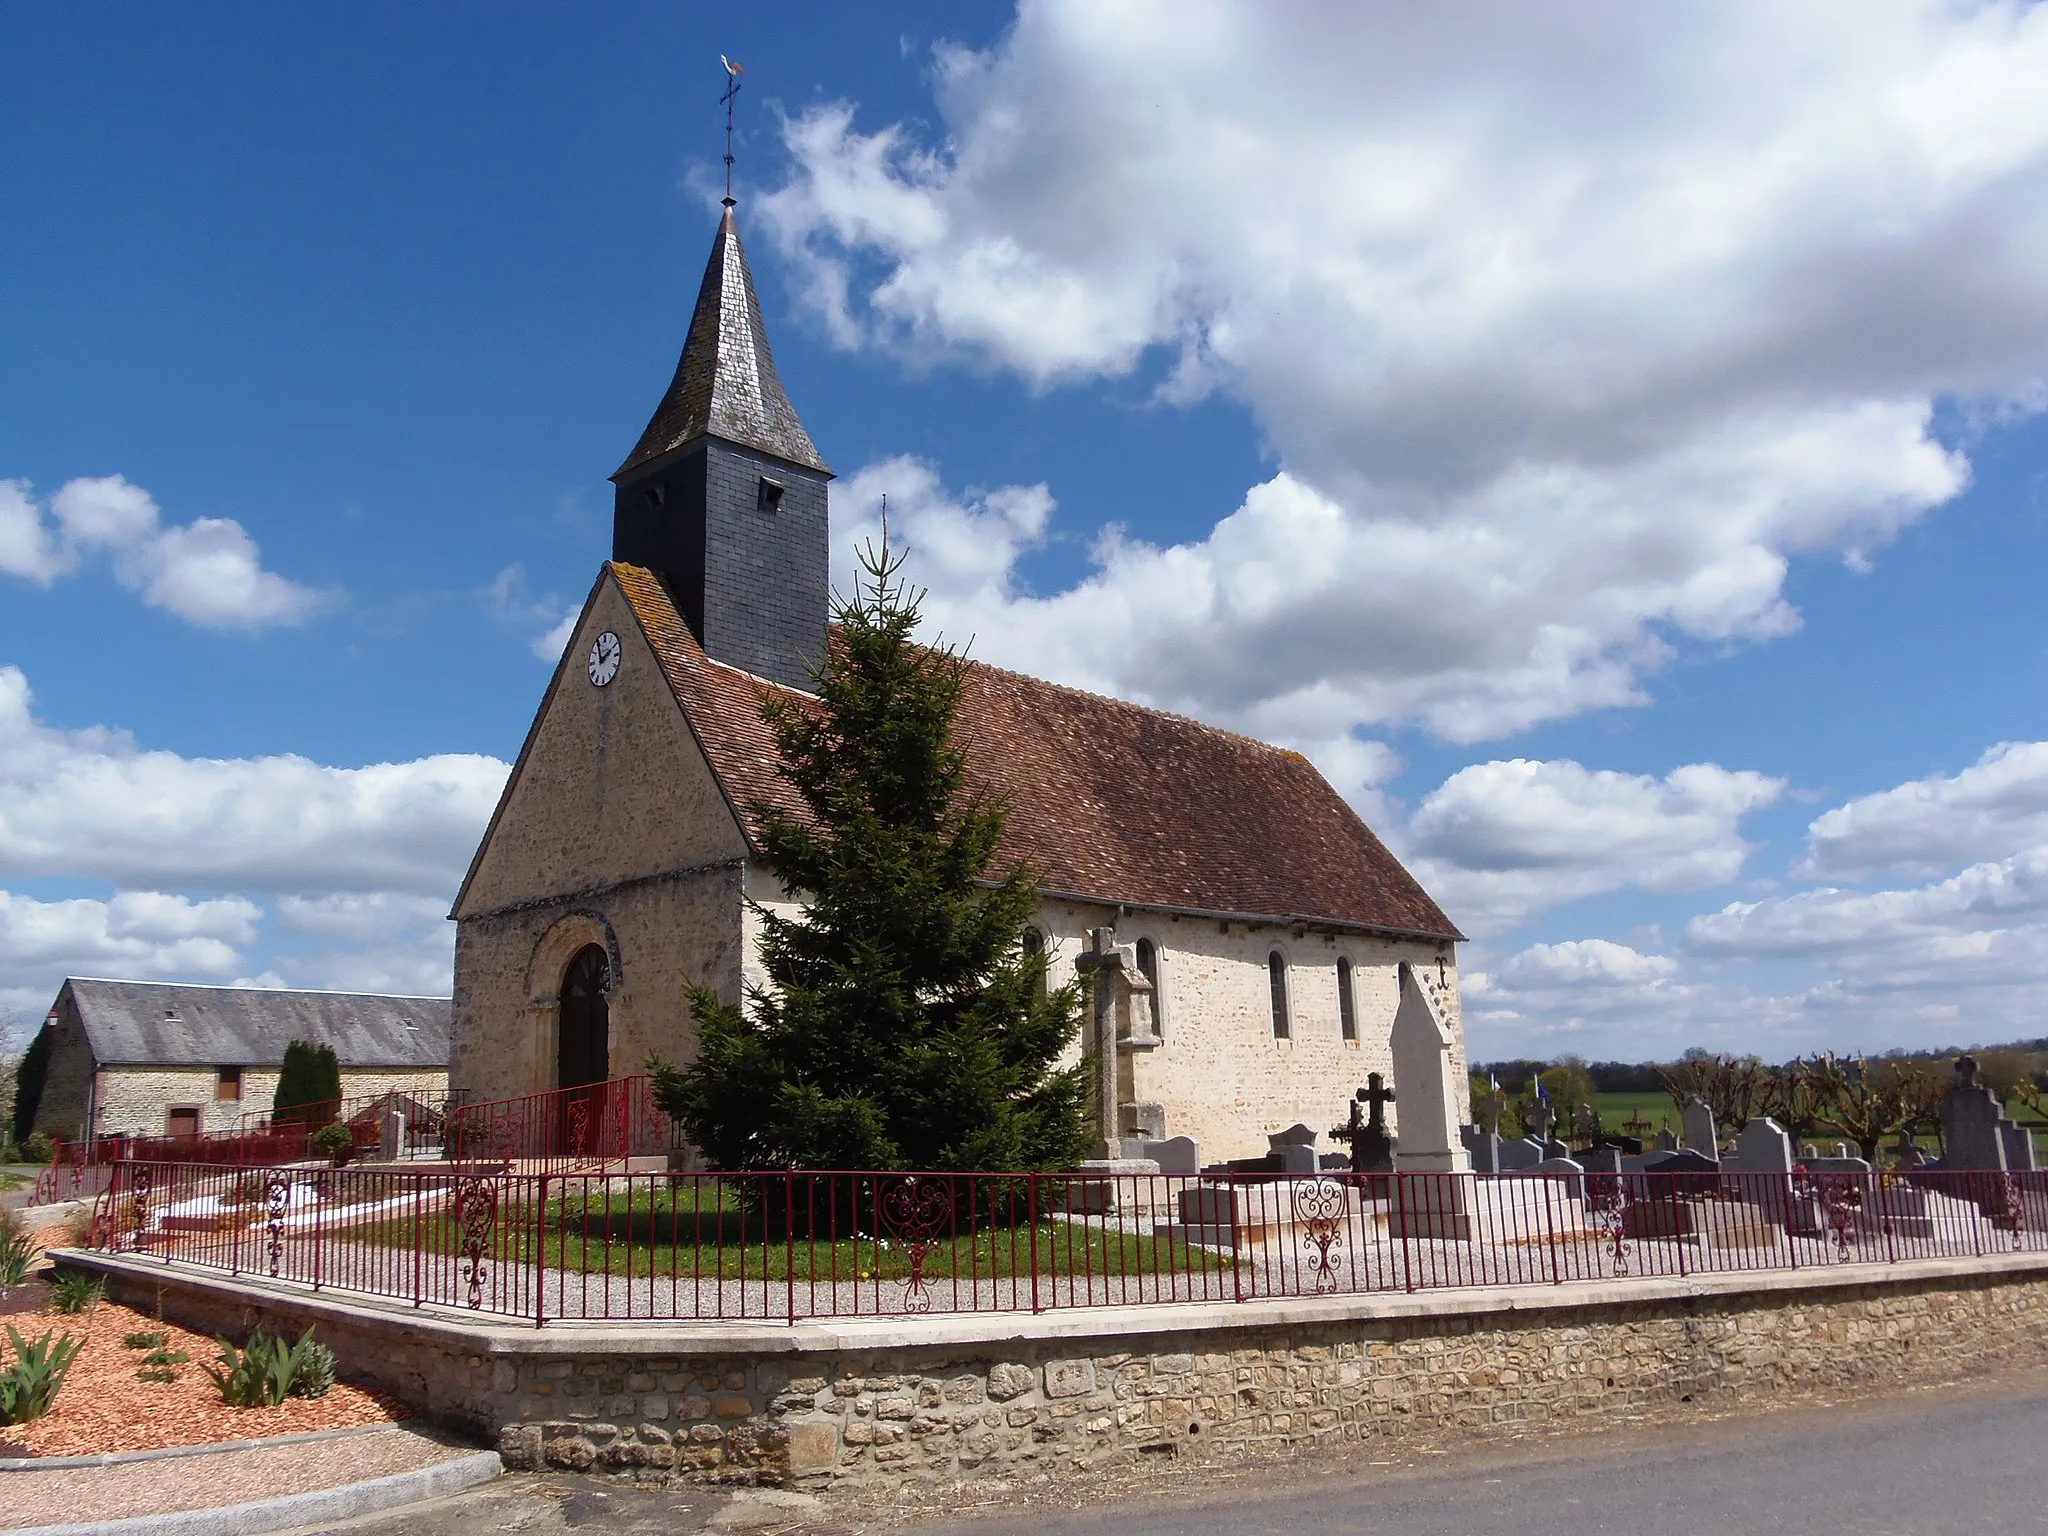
pixel 1276 969
pixel 1347 1011
pixel 227 1087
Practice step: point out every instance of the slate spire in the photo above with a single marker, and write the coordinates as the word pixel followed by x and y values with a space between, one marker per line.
pixel 725 385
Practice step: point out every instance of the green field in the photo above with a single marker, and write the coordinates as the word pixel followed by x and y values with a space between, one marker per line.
pixel 1657 1108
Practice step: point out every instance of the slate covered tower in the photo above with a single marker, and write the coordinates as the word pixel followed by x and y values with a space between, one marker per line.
pixel 724 496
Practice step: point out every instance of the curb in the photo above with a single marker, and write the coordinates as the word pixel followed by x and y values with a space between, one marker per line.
pixel 210 1448
pixel 324 1506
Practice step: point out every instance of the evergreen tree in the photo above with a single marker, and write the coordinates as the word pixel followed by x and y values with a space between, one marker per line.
pixel 308 1085
pixel 903 1026
pixel 28 1085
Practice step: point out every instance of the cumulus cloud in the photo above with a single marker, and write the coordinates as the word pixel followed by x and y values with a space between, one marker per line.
pixel 1928 825
pixel 1497 843
pixel 134 934
pixel 207 572
pixel 91 804
pixel 1567 338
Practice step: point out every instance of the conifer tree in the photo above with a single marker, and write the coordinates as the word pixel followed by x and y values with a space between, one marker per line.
pixel 903 1026
pixel 308 1085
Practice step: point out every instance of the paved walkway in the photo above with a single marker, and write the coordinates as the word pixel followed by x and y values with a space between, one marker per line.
pixel 156 1484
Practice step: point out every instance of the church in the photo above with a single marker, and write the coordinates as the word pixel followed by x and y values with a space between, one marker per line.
pixel 1271 928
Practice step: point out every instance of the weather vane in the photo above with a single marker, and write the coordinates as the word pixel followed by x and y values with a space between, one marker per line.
pixel 733 71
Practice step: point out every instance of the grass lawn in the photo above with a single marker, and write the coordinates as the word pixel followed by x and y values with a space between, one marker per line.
pixel 700 1232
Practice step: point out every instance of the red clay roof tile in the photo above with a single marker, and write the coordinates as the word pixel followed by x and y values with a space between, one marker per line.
pixel 1107 800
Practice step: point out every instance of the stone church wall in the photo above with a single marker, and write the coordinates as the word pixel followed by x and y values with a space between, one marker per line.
pixel 1221 1075
pixel 613 832
pixel 662 934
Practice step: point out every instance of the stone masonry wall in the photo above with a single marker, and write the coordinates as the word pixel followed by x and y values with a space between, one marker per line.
pixel 791 1408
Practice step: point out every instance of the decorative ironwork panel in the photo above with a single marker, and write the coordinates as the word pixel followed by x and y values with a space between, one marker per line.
pixel 1319 1209
pixel 915 1214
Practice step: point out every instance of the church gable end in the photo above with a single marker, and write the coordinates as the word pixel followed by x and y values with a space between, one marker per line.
pixel 611 785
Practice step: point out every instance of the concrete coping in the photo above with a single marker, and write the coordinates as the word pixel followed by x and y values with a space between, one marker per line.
pixel 478 1334
pixel 208 1448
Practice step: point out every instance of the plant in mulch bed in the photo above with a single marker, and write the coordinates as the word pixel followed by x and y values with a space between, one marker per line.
pixel 145 1340
pixel 39 1369
pixel 265 1371
pixel 74 1292
pixel 17 1253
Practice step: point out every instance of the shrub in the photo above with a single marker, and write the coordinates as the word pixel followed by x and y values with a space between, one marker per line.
pixel 38 1148
pixel 145 1340
pixel 157 1364
pixel 265 1371
pixel 28 1386
pixel 74 1292
pixel 28 1088
pixel 332 1141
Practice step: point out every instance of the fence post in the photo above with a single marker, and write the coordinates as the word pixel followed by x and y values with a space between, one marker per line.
pixel 788 1239
pixel 1236 1266
pixel 1550 1229
pixel 1031 1211
pixel 418 1241
pixel 540 1254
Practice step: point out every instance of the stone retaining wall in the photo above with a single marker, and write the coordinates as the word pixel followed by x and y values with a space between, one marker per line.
pixel 961 1398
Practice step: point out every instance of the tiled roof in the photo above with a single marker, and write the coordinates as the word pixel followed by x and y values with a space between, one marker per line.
pixel 147 1023
pixel 725 384
pixel 1108 801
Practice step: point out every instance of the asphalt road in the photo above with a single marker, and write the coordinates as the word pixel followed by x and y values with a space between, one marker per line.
pixel 1945 1462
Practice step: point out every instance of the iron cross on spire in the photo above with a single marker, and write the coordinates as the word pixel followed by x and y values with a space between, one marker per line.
pixel 733 72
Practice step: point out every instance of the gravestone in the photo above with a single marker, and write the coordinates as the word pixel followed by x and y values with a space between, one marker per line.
pixel 1699 1130
pixel 391 1134
pixel 1667 1142
pixel 1686 1161
pixel 1972 1123
pixel 1569 1173
pixel 1295 1148
pixel 1761 1147
pixel 1906 1153
pixel 1372 1149
pixel 1175 1155
pixel 1603 1159
pixel 1430 1091
pixel 1483 1147
pixel 1521 1154
pixel 2019 1147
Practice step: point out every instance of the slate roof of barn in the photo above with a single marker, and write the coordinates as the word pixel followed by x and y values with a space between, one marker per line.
pixel 165 1024
pixel 725 384
pixel 1108 801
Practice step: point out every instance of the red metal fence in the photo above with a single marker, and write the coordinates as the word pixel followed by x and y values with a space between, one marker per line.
pixel 549 1246
pixel 569 1130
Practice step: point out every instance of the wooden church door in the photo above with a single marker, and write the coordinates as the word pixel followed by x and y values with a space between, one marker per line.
pixel 583 1050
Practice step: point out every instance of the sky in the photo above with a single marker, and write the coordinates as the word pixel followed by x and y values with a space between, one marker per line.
pixel 1607 439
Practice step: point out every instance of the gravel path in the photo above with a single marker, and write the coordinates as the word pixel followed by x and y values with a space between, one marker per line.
pixel 212 1478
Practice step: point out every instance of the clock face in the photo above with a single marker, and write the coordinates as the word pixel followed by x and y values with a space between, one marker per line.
pixel 604 659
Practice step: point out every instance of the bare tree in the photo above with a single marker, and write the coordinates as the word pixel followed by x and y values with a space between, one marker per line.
pixel 1792 1097
pixel 1734 1087
pixel 1864 1100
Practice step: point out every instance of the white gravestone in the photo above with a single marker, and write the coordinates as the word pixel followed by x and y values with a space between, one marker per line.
pixel 1700 1131
pixel 1429 1108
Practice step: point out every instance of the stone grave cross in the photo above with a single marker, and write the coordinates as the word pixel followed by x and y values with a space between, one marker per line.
pixel 1372 1149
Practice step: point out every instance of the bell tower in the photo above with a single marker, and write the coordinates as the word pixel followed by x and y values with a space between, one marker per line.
pixel 723 498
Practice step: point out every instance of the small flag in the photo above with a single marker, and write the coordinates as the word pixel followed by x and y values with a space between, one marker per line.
pixel 1541 1096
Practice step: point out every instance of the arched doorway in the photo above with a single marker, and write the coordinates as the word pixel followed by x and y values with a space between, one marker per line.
pixel 583 1047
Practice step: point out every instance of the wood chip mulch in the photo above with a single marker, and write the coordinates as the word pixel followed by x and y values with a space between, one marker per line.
pixel 102 1407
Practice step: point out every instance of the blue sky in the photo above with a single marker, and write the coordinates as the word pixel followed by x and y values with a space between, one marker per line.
pixel 1609 444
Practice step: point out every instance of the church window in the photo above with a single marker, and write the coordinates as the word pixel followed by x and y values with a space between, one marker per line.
pixel 657 496
pixel 1347 1010
pixel 1034 946
pixel 768 496
pixel 1148 966
pixel 1276 969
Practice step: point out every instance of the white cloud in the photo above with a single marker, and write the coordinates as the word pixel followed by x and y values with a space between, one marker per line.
pixel 1585 963
pixel 1567 337
pixel 92 805
pixel 1925 826
pixel 207 572
pixel 507 600
pixel 1499 842
pixel 135 934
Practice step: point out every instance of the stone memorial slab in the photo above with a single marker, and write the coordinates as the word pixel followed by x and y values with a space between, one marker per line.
pixel 1972 1123
pixel 1176 1155
pixel 1433 1096
pixel 1698 1128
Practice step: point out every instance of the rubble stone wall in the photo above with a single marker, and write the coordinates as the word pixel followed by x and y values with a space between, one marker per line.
pixel 801 1409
